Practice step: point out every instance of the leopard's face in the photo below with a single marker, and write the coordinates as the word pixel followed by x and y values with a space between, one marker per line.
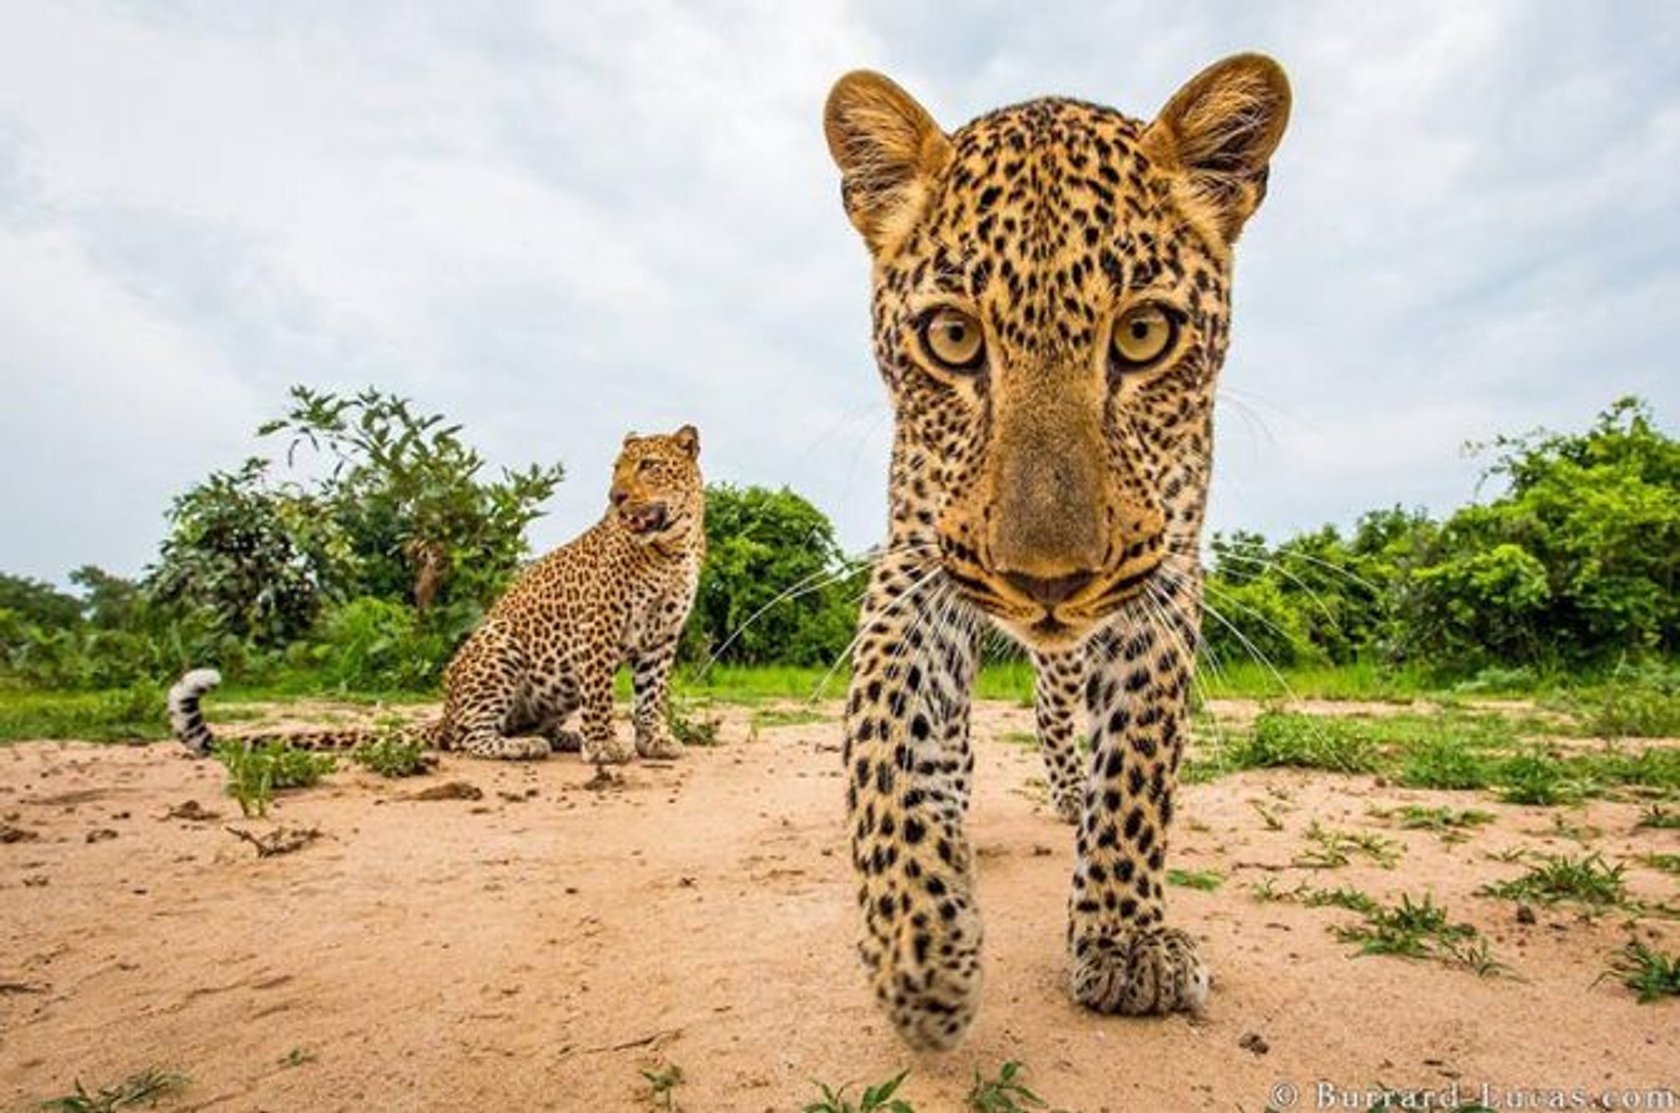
pixel 1051 311
pixel 657 492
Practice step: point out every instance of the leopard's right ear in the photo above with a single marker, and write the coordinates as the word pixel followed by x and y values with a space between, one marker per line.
pixel 890 153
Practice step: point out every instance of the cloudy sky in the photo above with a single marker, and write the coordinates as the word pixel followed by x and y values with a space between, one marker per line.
pixel 556 222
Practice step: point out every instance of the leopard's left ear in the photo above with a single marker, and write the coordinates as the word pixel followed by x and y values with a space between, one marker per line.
pixel 1219 131
pixel 890 154
pixel 688 437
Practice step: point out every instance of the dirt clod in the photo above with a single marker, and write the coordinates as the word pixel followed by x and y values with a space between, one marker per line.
pixel 449 790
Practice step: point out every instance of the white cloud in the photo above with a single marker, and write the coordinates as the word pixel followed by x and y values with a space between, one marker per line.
pixel 555 224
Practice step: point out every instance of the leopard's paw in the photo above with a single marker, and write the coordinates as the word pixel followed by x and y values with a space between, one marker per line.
pixel 512 748
pixel 1139 972
pixel 609 751
pixel 662 744
pixel 566 741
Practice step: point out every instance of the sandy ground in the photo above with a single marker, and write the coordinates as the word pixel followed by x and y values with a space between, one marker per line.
pixel 539 947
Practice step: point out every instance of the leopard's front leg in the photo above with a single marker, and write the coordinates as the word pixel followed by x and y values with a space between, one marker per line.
pixel 650 676
pixel 908 766
pixel 1058 679
pixel 1125 959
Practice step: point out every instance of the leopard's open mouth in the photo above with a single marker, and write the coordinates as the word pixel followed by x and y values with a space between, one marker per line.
pixel 646 518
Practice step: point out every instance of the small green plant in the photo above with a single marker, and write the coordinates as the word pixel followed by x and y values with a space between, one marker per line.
pixel 1538 779
pixel 1334 849
pixel 1205 880
pixel 1648 972
pixel 664 1084
pixel 297 1057
pixel 1562 828
pixel 147 1086
pixel 392 752
pixel 1003 1094
pixel 1414 817
pixel 690 725
pixel 874 1099
pixel 1266 891
pixel 1343 897
pixel 1657 817
pixel 1588 880
pixel 1420 929
pixel 1668 863
pixel 256 772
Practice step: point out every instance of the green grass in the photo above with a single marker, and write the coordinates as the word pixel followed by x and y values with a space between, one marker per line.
pixel 878 1098
pixel 743 685
pixel 1361 681
pixel 120 714
pixel 1650 973
pixel 1204 880
pixel 1283 738
pixel 1626 710
pixel 1587 880
pixel 146 1087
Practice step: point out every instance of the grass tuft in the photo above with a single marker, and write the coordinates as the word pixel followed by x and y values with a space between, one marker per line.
pixel 1003 1094
pixel 1648 972
pixel 878 1098
pixel 393 752
pixel 147 1087
pixel 1421 929
pixel 1204 880
pixel 1587 879
pixel 256 772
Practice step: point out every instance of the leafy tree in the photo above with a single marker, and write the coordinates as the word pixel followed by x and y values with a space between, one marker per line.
pixel 239 550
pixel 108 602
pixel 403 491
pixel 400 508
pixel 34 603
pixel 775 586
pixel 1578 560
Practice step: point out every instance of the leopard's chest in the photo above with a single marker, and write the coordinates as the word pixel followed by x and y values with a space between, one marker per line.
pixel 659 606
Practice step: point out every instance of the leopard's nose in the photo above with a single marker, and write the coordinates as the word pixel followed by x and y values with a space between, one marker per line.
pixel 619 495
pixel 1049 591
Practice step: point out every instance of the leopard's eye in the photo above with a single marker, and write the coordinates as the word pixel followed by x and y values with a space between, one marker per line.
pixel 952 339
pixel 1142 335
pixel 646 464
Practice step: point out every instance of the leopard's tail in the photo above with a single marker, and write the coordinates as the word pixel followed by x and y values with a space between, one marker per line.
pixel 185 718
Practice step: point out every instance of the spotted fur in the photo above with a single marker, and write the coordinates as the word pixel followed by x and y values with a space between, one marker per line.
pixel 619 593
pixel 1048 479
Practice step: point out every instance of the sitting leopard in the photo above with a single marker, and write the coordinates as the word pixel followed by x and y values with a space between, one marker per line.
pixel 1051 310
pixel 620 592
